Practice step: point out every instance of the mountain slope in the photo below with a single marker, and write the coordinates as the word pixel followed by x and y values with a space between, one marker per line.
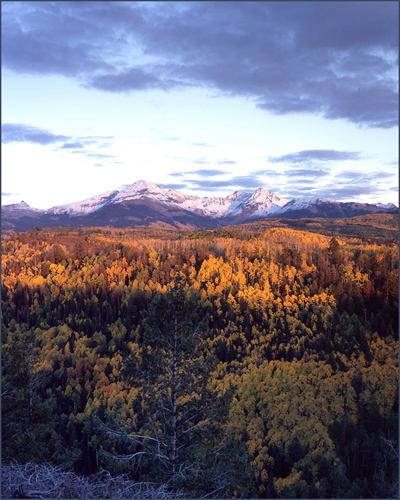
pixel 84 207
pixel 145 203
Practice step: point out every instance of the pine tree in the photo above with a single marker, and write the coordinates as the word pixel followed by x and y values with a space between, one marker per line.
pixel 181 440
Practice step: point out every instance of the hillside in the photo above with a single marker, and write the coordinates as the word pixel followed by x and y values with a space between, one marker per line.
pixel 377 227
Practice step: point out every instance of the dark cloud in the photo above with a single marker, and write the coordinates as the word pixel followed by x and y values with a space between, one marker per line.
pixel 335 59
pixel 133 79
pixel 17 132
pixel 315 156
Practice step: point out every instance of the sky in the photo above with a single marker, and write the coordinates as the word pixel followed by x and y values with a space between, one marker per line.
pixel 300 98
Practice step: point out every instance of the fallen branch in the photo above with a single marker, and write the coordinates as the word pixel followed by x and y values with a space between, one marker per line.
pixel 32 480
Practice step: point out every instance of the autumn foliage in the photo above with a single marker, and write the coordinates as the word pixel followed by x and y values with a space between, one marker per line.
pixel 303 328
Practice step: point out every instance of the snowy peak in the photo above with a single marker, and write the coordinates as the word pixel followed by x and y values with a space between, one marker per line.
pixel 140 189
pixel 147 203
pixel 21 206
pixel 264 197
pixel 208 206
pixel 386 205
pixel 178 197
pixel 262 203
pixel 18 206
pixel 234 196
pixel 84 207
pixel 304 203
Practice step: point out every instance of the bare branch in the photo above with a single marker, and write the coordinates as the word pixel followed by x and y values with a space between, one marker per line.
pixel 197 425
pixel 45 481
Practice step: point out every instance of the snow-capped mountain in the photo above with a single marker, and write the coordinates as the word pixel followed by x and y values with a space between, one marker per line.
pixel 21 206
pixel 386 205
pixel 257 203
pixel 140 189
pixel 145 203
pixel 84 207
pixel 304 203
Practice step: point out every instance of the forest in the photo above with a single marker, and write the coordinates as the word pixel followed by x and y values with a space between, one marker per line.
pixel 245 362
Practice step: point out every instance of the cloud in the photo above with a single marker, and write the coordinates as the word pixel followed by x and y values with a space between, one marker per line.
pixel 208 184
pixel 302 172
pixel 338 192
pixel 381 175
pixel 334 59
pixel 270 173
pixel 209 172
pixel 99 156
pixel 17 132
pixel 247 181
pixel 173 186
pixel 72 145
pixel 242 182
pixel 171 138
pixel 360 177
pixel 131 80
pixel 315 156
pixel 349 192
pixel 226 162
pixel 201 161
pixel 204 172
pixel 200 144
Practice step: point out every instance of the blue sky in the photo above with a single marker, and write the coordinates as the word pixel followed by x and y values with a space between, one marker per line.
pixel 300 98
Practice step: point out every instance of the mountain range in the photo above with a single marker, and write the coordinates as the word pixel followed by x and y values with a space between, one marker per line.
pixel 145 203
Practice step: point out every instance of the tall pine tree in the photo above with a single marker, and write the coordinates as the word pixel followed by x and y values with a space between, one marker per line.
pixel 181 440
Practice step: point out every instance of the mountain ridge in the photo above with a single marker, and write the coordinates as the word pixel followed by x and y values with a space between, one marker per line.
pixel 146 203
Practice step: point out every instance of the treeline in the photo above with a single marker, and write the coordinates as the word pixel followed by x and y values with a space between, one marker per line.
pixel 302 329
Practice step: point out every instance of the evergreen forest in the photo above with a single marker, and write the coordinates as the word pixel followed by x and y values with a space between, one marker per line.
pixel 244 362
